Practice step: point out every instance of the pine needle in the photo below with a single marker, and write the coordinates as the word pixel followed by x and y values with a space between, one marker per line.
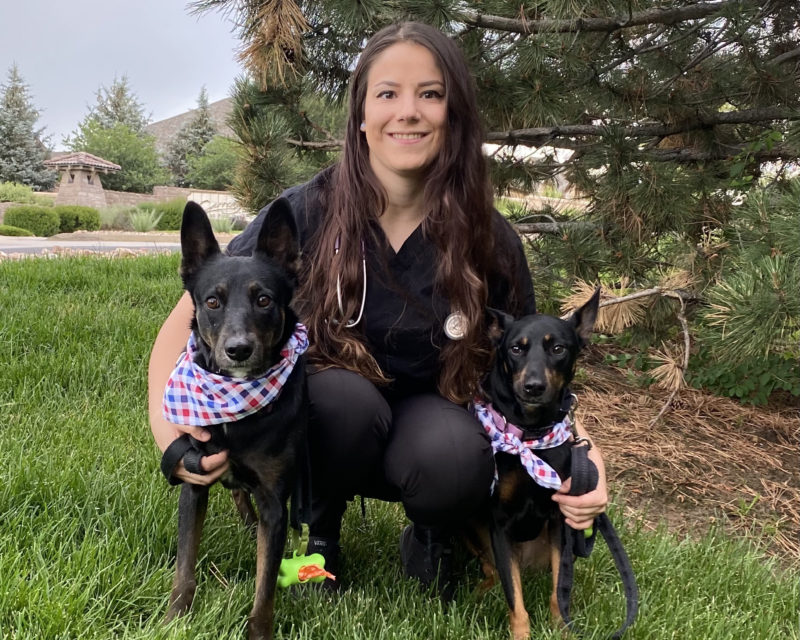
pixel 669 374
pixel 614 314
pixel 275 46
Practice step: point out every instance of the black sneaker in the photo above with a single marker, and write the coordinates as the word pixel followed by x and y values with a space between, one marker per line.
pixel 429 559
pixel 330 550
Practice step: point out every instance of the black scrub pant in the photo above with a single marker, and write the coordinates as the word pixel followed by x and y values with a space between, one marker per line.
pixel 422 450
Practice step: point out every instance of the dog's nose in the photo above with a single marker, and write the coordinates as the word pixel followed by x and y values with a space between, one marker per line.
pixel 238 350
pixel 534 388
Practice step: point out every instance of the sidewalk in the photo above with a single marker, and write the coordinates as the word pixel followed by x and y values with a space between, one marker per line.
pixel 100 242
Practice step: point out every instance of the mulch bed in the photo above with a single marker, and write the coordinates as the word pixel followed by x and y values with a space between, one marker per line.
pixel 707 461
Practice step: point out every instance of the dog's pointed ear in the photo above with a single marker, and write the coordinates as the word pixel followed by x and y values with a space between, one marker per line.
pixel 497 321
pixel 278 236
pixel 583 318
pixel 198 243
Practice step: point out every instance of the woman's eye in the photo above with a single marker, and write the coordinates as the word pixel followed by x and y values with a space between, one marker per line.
pixel 263 301
pixel 386 94
pixel 431 95
pixel 212 302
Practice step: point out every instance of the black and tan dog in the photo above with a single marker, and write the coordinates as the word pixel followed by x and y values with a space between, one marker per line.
pixel 524 397
pixel 243 328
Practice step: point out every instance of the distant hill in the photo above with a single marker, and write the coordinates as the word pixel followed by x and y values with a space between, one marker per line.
pixel 165 130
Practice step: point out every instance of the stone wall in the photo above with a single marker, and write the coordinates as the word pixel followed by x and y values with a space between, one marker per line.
pixel 219 204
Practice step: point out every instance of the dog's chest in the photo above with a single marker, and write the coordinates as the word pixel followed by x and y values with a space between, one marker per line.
pixel 521 505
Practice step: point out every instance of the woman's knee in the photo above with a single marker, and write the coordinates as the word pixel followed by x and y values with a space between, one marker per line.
pixel 439 458
pixel 345 405
pixel 348 430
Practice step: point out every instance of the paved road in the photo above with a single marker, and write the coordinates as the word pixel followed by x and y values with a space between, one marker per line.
pixel 11 245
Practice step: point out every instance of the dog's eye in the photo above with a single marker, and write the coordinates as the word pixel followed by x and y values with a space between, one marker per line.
pixel 515 350
pixel 558 349
pixel 212 302
pixel 263 301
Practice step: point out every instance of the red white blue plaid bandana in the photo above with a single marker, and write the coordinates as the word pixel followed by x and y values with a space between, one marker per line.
pixel 199 398
pixel 505 439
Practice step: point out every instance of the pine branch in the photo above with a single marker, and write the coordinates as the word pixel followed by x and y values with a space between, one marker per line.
pixel 607 24
pixel 539 136
pixel 324 145
pixel 556 228
pixel 785 57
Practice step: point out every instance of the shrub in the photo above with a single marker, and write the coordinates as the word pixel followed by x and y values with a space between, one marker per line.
pixel 41 221
pixel 8 230
pixel 171 213
pixel 221 225
pixel 74 217
pixel 22 193
pixel 116 216
pixel 144 219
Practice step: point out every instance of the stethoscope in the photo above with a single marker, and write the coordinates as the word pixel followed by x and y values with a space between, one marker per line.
pixel 455 325
pixel 352 323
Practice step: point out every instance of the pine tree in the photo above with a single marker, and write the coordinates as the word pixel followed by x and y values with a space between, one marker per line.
pixel 188 143
pixel 664 116
pixel 113 129
pixel 114 105
pixel 22 148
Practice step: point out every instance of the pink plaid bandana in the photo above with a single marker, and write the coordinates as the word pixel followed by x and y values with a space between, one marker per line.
pixel 199 398
pixel 504 438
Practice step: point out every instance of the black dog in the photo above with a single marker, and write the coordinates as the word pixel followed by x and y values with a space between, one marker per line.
pixel 535 361
pixel 241 326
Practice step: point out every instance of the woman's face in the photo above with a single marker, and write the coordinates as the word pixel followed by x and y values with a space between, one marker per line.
pixel 405 111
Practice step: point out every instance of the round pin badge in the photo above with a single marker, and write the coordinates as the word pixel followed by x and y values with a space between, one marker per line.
pixel 455 326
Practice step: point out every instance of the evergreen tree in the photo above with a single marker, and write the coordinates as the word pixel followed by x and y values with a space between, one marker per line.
pixel 22 148
pixel 663 115
pixel 113 129
pixel 114 105
pixel 188 143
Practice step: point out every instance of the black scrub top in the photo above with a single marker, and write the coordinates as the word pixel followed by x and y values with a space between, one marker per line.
pixel 404 314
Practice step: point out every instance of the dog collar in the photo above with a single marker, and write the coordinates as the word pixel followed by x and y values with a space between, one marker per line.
pixel 196 397
pixel 505 438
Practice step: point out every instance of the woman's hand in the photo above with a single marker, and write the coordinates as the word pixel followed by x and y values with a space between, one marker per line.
pixel 580 511
pixel 167 347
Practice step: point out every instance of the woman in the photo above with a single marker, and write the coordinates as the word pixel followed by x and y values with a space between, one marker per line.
pixel 399 239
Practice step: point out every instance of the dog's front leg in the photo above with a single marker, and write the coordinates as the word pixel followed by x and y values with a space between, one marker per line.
pixel 507 563
pixel 192 507
pixel 518 616
pixel 271 538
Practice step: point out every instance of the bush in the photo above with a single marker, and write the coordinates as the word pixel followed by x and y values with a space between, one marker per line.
pixel 74 217
pixel 8 230
pixel 221 225
pixel 116 216
pixel 22 193
pixel 144 219
pixel 41 221
pixel 171 214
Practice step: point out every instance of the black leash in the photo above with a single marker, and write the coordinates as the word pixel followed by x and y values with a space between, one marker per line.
pixel 182 448
pixel 575 543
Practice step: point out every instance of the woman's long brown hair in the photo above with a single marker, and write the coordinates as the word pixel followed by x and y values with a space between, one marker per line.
pixel 459 211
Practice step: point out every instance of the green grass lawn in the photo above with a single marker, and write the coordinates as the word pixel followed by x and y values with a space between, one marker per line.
pixel 87 524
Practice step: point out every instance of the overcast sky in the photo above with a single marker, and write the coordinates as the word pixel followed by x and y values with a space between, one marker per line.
pixel 66 49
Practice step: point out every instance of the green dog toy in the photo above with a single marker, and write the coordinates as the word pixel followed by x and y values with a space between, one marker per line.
pixel 301 569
